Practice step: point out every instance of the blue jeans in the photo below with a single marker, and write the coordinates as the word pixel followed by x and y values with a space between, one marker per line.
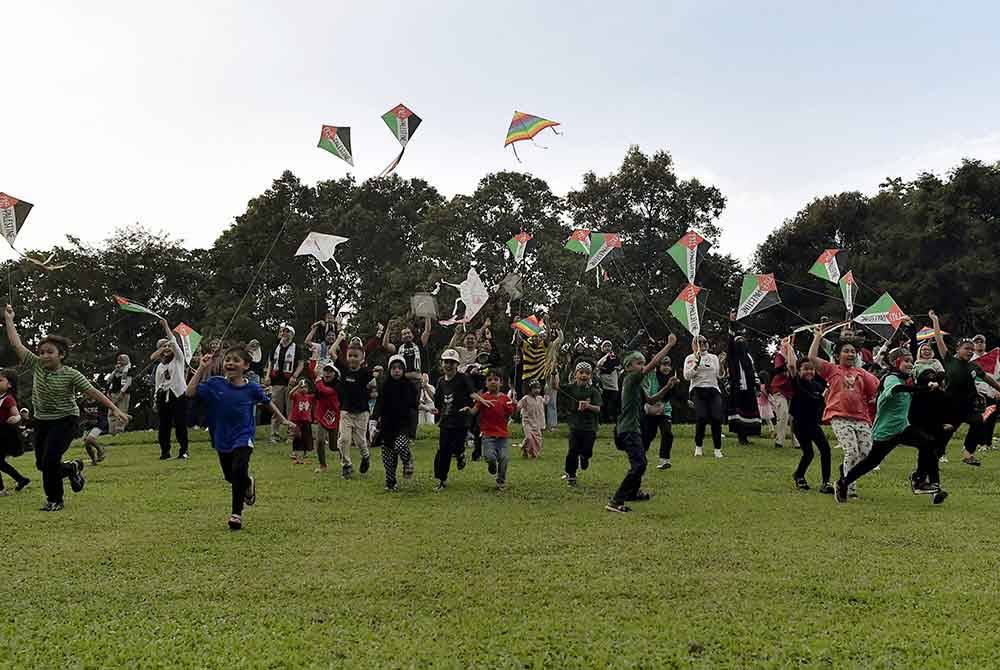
pixel 495 451
pixel 551 409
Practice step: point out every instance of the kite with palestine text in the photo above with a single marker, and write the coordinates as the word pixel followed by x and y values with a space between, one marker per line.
pixel 883 318
pixel 402 123
pixel 190 339
pixel 689 308
pixel 579 242
pixel 472 293
pixel 758 293
pixel 321 247
pixel 688 253
pixel 849 289
pixel 830 265
pixel 602 246
pixel 337 140
pixel 518 245
pixel 13 212
pixel 525 127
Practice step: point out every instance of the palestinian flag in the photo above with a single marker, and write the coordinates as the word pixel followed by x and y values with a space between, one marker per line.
pixel 13 212
pixel 689 307
pixel 688 253
pixel 829 264
pixel 989 362
pixel 849 288
pixel 518 245
pixel 530 326
pixel 127 305
pixel 338 142
pixel 190 339
pixel 603 245
pixel 579 242
pixel 882 318
pixel 927 333
pixel 758 293
pixel 402 123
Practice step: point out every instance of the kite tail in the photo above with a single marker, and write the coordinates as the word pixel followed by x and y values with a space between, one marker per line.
pixel 540 146
pixel 393 165
pixel 553 129
pixel 515 153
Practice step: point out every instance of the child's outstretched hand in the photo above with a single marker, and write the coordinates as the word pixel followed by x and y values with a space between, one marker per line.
pixel 8 312
pixel 206 360
pixel 13 420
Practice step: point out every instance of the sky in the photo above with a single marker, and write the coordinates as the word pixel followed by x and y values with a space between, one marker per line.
pixel 176 114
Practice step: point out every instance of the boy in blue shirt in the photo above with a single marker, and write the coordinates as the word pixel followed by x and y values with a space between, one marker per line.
pixel 230 405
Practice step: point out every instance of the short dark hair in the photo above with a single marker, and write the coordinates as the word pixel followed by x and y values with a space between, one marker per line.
pixel 839 346
pixel 240 351
pixel 61 343
pixel 495 372
pixel 10 375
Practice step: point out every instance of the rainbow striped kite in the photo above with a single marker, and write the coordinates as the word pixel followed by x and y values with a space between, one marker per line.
pixel 530 326
pixel 525 127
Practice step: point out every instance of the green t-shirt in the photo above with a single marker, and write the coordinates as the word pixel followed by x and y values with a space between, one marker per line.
pixel 630 416
pixel 961 377
pixel 54 391
pixel 892 410
pixel 583 421
pixel 651 385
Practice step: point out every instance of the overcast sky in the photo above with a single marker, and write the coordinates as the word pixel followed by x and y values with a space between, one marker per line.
pixel 176 114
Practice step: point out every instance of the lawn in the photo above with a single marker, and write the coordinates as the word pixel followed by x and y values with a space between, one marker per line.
pixel 727 567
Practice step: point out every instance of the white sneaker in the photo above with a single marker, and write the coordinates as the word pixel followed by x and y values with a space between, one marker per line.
pixel 943 459
pixel 663 464
pixel 697 451
pixel 718 453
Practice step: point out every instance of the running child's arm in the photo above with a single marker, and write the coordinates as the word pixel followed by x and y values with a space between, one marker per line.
pixel 664 392
pixel 655 360
pixel 105 402
pixel 587 406
pixel 12 336
pixel 205 364
pixel 15 413
pixel 277 412
pixel 938 336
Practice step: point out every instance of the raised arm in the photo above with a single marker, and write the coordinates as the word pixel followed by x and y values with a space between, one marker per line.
pixel 814 347
pixel 938 337
pixel 386 344
pixel 12 336
pixel 311 335
pixel 457 337
pixel 425 336
pixel 655 360
pixel 791 360
pixel 206 363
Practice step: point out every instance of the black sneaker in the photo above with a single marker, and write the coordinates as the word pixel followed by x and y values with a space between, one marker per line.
pixel 840 491
pixel 441 486
pixel 365 464
pixel 391 488
pixel 642 496
pixel 825 488
pixel 460 461
pixel 584 462
pixel 801 484
pixel 183 456
pixel 164 457
pixel 76 480
pixel 235 522
pixel 778 445
pixel 347 472
pixel 612 506
pixel 250 497
pixel 47 507
pixel 408 469
pixel 492 467
pixel 925 488
pixel 972 460
pixel 21 484
pixel 56 507
pixel 939 497
pixel 571 481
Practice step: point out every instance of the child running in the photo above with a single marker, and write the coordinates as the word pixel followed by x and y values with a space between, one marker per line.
pixel 892 428
pixel 230 405
pixel 453 400
pixel 532 407
pixel 628 430
pixel 354 386
pixel 658 388
pixel 494 410
pixel 397 400
pixel 584 417
pixel 303 409
pixel 327 411
pixel 94 422
pixel 849 397
pixel 806 411
pixel 10 438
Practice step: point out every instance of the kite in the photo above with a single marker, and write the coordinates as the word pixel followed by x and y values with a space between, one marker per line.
pixel 424 305
pixel 530 326
pixel 829 265
pixel 883 318
pixel 518 245
pixel 927 333
pixel 688 253
pixel 321 247
pixel 512 285
pixel 525 127
pixel 849 288
pixel 989 362
pixel 579 242
pixel 472 293
pixel 337 140
pixel 190 339
pixel 127 305
pixel 13 212
pixel 603 245
pixel 758 293
pixel 403 123
pixel 689 307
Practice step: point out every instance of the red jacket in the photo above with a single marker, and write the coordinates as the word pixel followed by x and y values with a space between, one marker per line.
pixel 327 406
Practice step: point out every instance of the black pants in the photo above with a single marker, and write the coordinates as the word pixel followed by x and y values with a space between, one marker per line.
pixel 52 439
pixel 10 471
pixel 984 431
pixel 173 413
pixel 708 412
pixel 477 439
pixel 927 459
pixel 609 405
pixel 581 445
pixel 809 434
pixel 451 442
pixel 662 424
pixel 631 444
pixel 236 469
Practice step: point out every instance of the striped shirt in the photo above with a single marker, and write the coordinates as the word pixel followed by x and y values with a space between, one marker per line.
pixel 533 360
pixel 54 391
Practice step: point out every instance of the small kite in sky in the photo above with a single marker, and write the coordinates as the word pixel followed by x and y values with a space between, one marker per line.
pixel 689 307
pixel 829 265
pixel 688 253
pixel 337 140
pixel 321 247
pixel 603 245
pixel 472 293
pixel 849 289
pixel 758 293
pixel 579 242
pixel 518 245
pixel 883 318
pixel 403 123
pixel 529 326
pixel 525 127
pixel 926 333
pixel 13 212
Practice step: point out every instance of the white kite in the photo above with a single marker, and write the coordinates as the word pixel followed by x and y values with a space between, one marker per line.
pixel 472 293
pixel 321 247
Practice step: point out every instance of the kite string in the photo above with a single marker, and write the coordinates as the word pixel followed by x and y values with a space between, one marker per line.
pixel 793 313
pixel 638 313
pixel 748 327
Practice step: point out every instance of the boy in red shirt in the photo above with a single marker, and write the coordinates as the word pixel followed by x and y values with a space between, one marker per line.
pixel 494 410
pixel 327 410
pixel 303 402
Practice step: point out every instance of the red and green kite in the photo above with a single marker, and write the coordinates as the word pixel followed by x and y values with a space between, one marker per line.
pixel 829 265
pixel 402 123
pixel 603 245
pixel 688 253
pixel 689 307
pixel 849 289
pixel 758 293
pixel 883 318
pixel 127 305
pixel 579 242
pixel 337 140
pixel 518 245
pixel 525 127
pixel 13 212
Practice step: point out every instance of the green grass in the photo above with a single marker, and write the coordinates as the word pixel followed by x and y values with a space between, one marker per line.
pixel 727 567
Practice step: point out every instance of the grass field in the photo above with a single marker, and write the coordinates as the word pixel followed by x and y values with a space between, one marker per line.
pixel 727 567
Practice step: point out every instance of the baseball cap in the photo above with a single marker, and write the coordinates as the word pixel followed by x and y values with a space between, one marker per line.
pixel 289 328
pixel 327 364
pixel 978 338
pixel 451 355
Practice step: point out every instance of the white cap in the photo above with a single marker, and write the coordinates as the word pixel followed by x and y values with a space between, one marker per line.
pixel 287 327
pixel 397 359
pixel 451 355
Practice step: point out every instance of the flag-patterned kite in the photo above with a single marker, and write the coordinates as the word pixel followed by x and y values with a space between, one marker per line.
pixel 579 242
pixel 403 123
pixel 603 245
pixel 830 265
pixel 758 293
pixel 13 212
pixel 688 253
pixel 689 307
pixel 525 127
pixel 337 140
pixel 989 362
pixel 190 339
pixel 849 289
pixel 883 318
pixel 127 305
pixel 518 245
